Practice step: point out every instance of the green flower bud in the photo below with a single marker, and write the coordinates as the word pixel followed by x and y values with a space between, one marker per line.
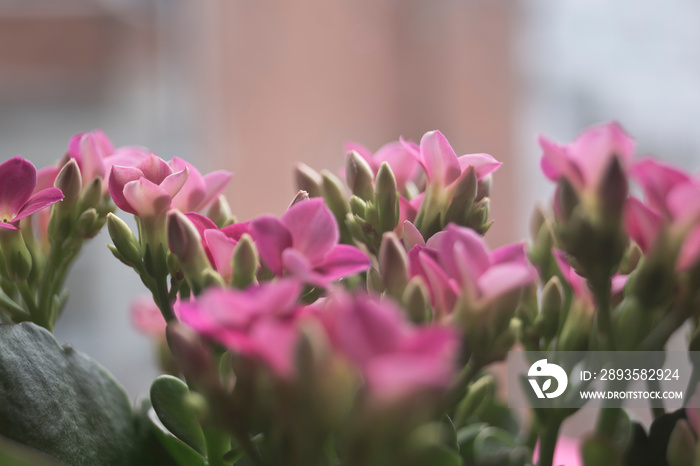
pixel 681 445
pixel 92 195
pixel 220 212
pixel 124 240
pixel 484 187
pixel 463 198
pixel 70 182
pixel 358 206
pixel 86 222
pixel 479 218
pixel 631 259
pixel 186 244
pixel 374 280
pixel 386 198
pixel 308 180
pixel 613 190
pixel 416 301
pixel 393 265
pixel 245 262
pixel 547 322
pixel 18 259
pixel 359 176
pixel 479 395
pixel 577 328
pixel 568 198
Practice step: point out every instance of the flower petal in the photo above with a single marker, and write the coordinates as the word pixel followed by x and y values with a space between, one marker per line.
pixel 119 176
pixel 313 229
pixel 214 184
pixel 220 251
pixel 146 198
pixel 271 238
pixel 40 200
pixel 657 179
pixel 411 236
pixel 483 164
pixel 504 278
pixel 18 181
pixel 343 261
pixel 439 159
pixel 642 223
pixel 190 196
pixel 403 163
pixel 174 182
pixel 154 168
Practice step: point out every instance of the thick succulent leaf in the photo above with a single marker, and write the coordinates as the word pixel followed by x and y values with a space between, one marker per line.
pixel 182 453
pixel 169 399
pixel 59 401
pixel 17 454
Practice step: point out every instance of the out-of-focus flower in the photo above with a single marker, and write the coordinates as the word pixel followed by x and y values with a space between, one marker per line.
pixel 566 453
pixel 304 243
pixel 457 262
pixel 394 358
pixel 18 178
pixel 402 162
pixel 258 322
pixel 146 316
pixel 199 191
pixel 146 189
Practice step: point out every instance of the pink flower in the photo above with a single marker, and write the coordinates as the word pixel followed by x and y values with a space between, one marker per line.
pixel 219 243
pixel 146 317
pixel 18 178
pixel 304 243
pixel 146 189
pixel 566 453
pixel 441 163
pixel 394 358
pixel 199 191
pixel 258 322
pixel 457 261
pixel 584 162
pixel 402 162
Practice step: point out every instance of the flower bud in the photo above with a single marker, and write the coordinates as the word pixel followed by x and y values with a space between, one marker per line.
pixel 479 218
pixel 336 200
pixel 191 354
pixel 484 187
pixel 393 265
pixel 69 182
pixel 124 240
pixel 547 321
pixel 300 196
pixel 220 212
pixel 480 393
pixel 577 328
pixel 463 197
pixel 85 223
pixel 566 199
pixel 632 324
pixel 374 280
pixel 92 195
pixel 359 176
pixel 18 259
pixel 386 198
pixel 681 445
pixel 416 301
pixel 245 262
pixel 308 180
pixel 613 190
pixel 358 206
pixel 631 259
pixel 185 243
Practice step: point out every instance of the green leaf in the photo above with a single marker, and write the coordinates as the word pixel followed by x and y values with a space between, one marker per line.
pixel 169 399
pixel 59 401
pixel 17 454
pixel 494 444
pixel 438 455
pixel 183 454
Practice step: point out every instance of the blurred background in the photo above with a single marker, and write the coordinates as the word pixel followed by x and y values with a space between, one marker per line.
pixel 254 86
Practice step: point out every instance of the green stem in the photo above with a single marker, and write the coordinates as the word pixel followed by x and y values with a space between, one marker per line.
pixel 602 293
pixel 548 442
pixel 30 302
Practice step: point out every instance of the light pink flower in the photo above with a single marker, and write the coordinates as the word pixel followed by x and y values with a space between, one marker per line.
pixel 566 453
pixel 394 358
pixel 146 317
pixel 457 261
pixel 18 178
pixel 199 191
pixel 402 162
pixel 146 189
pixel 258 322
pixel 304 243
pixel 584 161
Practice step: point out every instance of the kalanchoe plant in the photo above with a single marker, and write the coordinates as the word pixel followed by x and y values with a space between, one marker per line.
pixel 358 328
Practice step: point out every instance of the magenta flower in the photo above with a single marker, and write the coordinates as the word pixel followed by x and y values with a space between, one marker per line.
pixel 199 191
pixel 457 261
pixel 304 243
pixel 394 358
pixel 18 178
pixel 146 189
pixel 258 322
pixel 402 162
pixel 584 161
pixel 219 243
pixel 441 163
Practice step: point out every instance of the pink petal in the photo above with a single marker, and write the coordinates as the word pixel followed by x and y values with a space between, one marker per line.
pixel 45 178
pixel 40 200
pixel 201 222
pixel 555 163
pixel 236 230
pixel 411 236
pixel 298 265
pixel 439 159
pixel 504 278
pixel 394 376
pixel 403 163
pixel 566 453
pixel 510 253
pixel 190 196
pixel 275 344
pixel 146 198
pixel 618 283
pixel 94 147
pixel 214 184
pixel 576 282
pixel 313 229
pixel 407 213
pixel 146 316
pixel 683 202
pixel 343 261
pixel 174 182
pixel 463 254
pixel 18 181
pixel 657 179
pixel 154 168
pixel 118 178
pixel 271 238
pixel 690 251
pixel 483 164
pixel 443 290
pixel 221 249
pixel 642 223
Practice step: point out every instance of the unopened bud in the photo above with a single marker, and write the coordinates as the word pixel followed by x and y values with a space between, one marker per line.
pixel 537 221
pixel 681 445
pixel 300 196
pixel 480 393
pixel 566 199
pixel 577 328
pixel 479 217
pixel 124 240
pixel 358 206
pixel 308 180
pixel 209 278
pixel 70 183
pixel 18 259
pixel 374 280
pixel 86 222
pixel 359 176
pixel 547 321
pixel 92 195
pixel 245 262
pixel 631 259
pixel 220 212
pixel 335 197
pixel 463 198
pixel 601 450
pixel 191 354
pixel 613 190
pixel 484 187
pixel 386 198
pixel 393 265
pixel 416 301
pixel 186 244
